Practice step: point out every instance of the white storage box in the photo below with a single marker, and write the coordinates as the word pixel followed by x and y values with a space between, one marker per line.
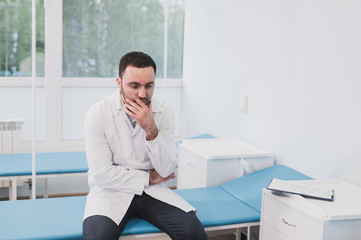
pixel 212 162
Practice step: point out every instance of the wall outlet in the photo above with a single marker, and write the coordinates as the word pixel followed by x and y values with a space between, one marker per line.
pixel 244 104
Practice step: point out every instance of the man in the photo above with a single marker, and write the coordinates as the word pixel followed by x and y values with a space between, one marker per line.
pixel 129 142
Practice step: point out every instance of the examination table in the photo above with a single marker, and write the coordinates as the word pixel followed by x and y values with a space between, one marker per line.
pixel 233 205
pixel 18 166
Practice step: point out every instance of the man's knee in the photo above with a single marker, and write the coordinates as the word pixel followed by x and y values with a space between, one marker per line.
pixel 100 227
pixel 194 233
pixel 192 229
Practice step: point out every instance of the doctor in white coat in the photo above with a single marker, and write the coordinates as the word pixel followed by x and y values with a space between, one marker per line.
pixel 130 148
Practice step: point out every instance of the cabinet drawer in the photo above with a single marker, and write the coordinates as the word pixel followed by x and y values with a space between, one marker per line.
pixel 193 165
pixel 269 233
pixel 289 221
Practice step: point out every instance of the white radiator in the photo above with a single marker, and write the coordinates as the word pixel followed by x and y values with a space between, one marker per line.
pixel 10 140
pixel 10 135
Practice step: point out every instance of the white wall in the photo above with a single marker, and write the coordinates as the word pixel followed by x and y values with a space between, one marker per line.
pixel 21 108
pixel 299 64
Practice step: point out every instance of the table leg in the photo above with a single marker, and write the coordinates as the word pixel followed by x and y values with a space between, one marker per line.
pixel 46 195
pixel 12 190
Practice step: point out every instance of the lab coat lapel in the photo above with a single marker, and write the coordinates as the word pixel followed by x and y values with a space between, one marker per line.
pixel 125 118
pixel 136 129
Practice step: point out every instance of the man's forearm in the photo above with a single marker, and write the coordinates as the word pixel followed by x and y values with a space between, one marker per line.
pixel 152 133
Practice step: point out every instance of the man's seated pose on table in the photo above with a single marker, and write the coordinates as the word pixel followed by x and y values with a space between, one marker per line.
pixel 131 153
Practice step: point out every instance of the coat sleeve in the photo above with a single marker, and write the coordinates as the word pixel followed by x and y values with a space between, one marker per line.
pixel 102 171
pixel 162 150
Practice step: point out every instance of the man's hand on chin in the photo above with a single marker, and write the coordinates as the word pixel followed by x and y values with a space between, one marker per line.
pixel 143 114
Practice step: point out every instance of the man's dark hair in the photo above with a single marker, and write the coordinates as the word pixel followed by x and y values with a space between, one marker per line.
pixel 136 59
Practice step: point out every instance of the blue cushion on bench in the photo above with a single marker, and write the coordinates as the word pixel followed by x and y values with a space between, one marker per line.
pixel 201 136
pixel 52 218
pixel 215 207
pixel 46 163
pixel 248 188
pixel 56 218
pixel 237 201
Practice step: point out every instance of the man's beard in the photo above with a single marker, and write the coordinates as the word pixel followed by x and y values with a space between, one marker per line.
pixel 145 100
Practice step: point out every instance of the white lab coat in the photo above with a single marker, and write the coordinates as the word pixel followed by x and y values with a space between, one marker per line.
pixel 119 158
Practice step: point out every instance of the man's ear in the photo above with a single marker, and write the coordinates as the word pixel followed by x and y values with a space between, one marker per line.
pixel 119 82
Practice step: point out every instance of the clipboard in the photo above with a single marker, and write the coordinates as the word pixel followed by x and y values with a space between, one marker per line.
pixel 304 189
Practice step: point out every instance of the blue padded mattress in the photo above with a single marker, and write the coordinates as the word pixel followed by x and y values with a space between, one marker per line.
pixel 215 207
pixel 52 162
pixel 52 218
pixel 61 218
pixel 248 188
pixel 238 201
pixel 46 163
pixel 201 136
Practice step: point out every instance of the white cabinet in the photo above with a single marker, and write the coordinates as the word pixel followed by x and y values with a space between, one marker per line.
pixel 212 162
pixel 290 216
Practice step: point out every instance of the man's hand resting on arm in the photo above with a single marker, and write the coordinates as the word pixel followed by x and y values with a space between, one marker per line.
pixel 155 178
